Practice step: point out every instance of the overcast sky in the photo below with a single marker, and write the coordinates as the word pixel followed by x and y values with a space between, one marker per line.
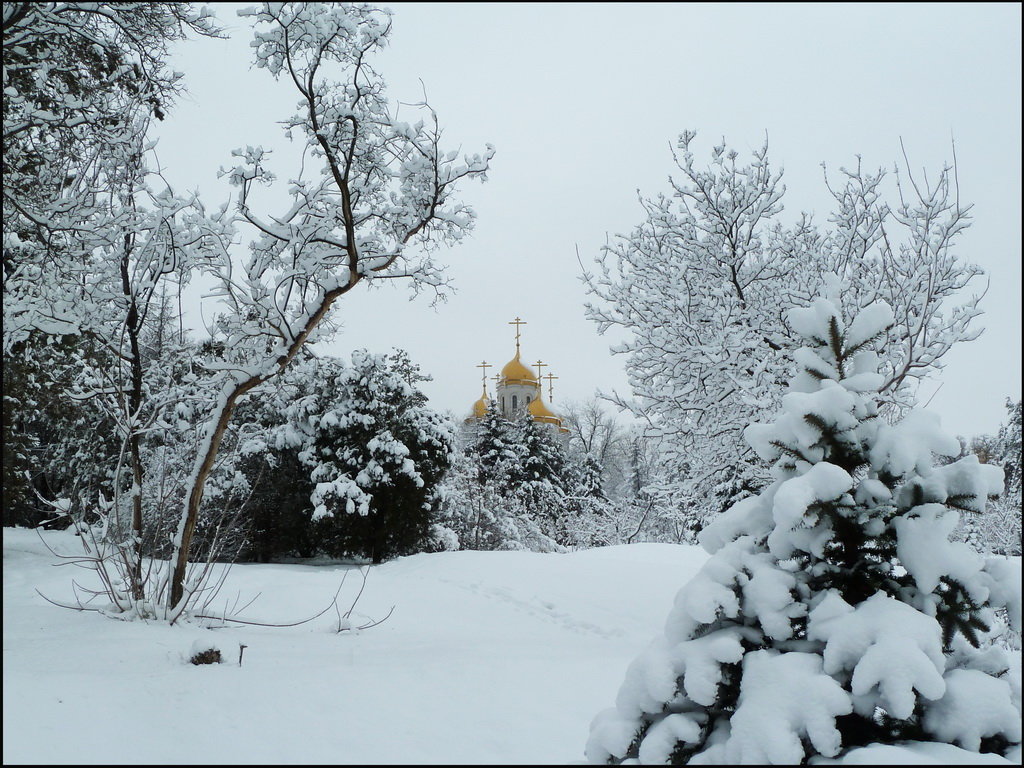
pixel 582 103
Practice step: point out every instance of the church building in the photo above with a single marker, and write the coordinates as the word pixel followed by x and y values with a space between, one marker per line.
pixel 518 391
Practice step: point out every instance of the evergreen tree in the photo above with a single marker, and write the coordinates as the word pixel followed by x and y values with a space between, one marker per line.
pixel 44 419
pixel 587 478
pixel 1009 448
pixel 274 499
pixel 497 451
pixel 1008 454
pixel 278 507
pixel 378 455
pixel 834 611
pixel 585 521
pixel 542 488
pixel 263 475
pixel 543 460
pixel 507 488
pixel 476 511
pixel 19 507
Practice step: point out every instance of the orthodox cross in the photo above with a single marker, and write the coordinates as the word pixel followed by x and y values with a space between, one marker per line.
pixel 540 365
pixel 485 365
pixel 551 386
pixel 517 322
pixel 497 379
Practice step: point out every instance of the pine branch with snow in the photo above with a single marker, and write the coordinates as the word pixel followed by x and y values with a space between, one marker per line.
pixel 834 612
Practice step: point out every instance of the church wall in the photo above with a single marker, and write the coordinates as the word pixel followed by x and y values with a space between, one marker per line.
pixel 524 393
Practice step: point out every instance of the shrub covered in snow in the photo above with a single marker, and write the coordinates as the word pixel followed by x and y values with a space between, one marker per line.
pixel 835 612
pixel 377 455
pixel 206 650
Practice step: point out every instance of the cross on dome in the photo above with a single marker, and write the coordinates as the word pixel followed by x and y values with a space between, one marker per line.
pixel 551 387
pixel 517 322
pixel 485 365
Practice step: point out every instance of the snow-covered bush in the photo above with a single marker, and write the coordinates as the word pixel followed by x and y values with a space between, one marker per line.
pixel 376 456
pixel 834 612
pixel 207 650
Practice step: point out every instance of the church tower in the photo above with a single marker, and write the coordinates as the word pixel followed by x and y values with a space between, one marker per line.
pixel 518 385
pixel 519 390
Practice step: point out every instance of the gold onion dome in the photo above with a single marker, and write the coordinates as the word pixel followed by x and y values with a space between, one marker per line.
pixel 540 413
pixel 480 407
pixel 515 372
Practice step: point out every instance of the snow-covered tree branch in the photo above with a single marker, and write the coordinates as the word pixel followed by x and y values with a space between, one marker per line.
pixel 701 286
pixel 383 198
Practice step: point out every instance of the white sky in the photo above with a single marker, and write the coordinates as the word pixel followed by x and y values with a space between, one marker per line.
pixel 582 103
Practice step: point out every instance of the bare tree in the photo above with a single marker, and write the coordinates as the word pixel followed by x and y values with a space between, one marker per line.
pixel 593 430
pixel 80 81
pixel 88 247
pixel 596 432
pixel 702 284
pixel 383 186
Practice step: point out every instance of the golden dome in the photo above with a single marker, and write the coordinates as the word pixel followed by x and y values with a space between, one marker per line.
pixel 515 372
pixel 480 408
pixel 540 413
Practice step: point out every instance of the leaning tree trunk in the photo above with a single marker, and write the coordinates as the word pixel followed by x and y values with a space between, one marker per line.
pixel 216 428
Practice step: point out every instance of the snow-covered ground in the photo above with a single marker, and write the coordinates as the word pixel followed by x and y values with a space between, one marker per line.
pixel 489 657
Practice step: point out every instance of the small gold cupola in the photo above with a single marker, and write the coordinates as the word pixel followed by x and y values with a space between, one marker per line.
pixel 540 412
pixel 479 409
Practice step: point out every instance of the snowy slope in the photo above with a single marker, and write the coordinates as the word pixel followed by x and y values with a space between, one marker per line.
pixel 489 657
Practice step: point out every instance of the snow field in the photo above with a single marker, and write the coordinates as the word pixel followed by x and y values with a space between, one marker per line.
pixel 489 657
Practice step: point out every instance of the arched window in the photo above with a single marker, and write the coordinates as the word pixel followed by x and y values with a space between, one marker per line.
pixel 528 399
pixel 515 402
pixel 503 402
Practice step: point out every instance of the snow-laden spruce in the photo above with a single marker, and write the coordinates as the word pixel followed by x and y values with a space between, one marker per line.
pixel 834 611
pixel 377 453
pixel 508 489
